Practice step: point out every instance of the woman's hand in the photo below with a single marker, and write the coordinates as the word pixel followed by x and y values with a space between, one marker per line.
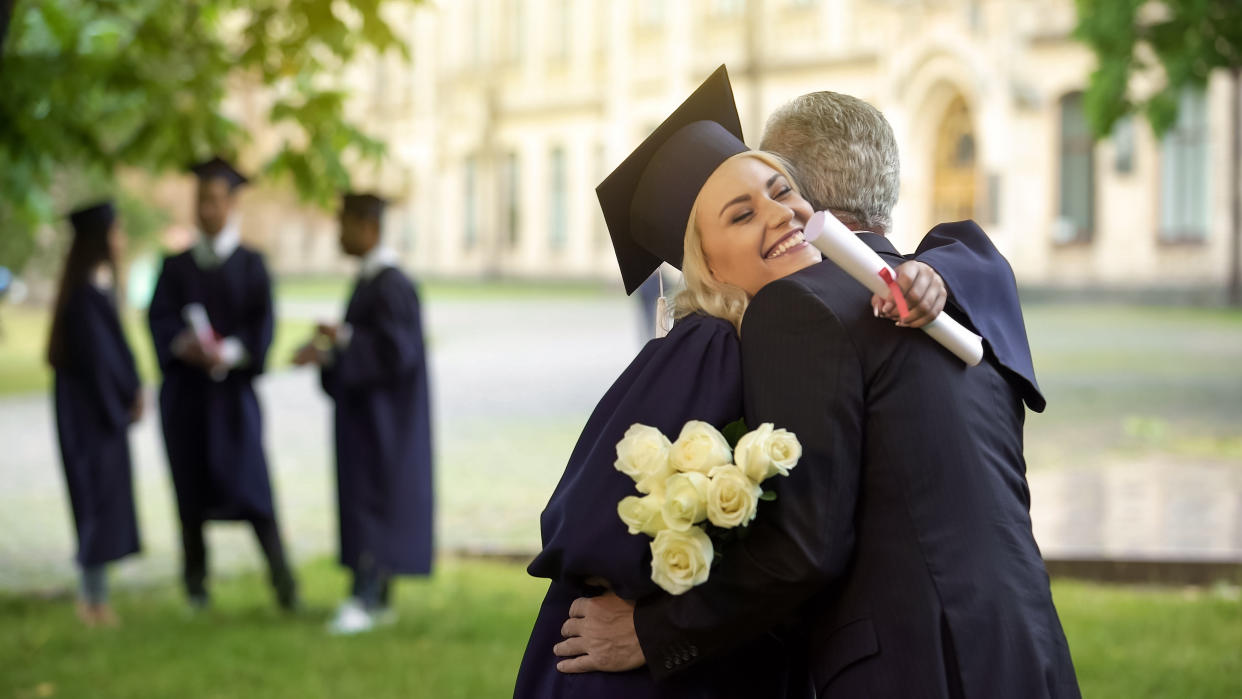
pixel 925 294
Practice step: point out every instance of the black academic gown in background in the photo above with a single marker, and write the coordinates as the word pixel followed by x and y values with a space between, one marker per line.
pixel 383 430
pixel 902 543
pixel 95 390
pixel 692 374
pixel 213 429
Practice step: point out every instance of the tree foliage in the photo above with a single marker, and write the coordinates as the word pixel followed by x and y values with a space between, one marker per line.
pixel 1184 39
pixel 88 86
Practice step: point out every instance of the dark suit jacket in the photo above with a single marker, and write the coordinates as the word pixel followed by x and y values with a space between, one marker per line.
pixel 901 545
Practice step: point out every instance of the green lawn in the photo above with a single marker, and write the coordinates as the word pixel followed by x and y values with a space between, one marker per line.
pixel 462 634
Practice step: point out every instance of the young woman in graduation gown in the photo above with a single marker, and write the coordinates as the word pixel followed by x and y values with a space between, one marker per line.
pixel 97 397
pixel 692 374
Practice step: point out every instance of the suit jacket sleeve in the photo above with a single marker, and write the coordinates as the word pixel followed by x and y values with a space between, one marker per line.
pixel 983 288
pixel 802 373
pixel 386 345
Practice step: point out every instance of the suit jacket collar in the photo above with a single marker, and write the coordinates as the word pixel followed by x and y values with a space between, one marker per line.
pixel 877 242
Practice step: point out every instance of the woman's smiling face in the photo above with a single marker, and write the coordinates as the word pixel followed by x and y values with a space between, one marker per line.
pixel 750 220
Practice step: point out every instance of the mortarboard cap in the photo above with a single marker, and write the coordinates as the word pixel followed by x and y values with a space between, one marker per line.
pixel 95 219
pixel 364 205
pixel 221 168
pixel 648 198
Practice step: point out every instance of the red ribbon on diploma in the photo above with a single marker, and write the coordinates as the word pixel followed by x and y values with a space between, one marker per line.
pixel 902 309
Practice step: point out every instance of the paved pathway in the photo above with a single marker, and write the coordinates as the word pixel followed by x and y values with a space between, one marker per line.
pixel 513 382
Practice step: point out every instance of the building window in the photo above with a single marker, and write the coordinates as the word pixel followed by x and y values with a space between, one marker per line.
pixel 650 13
pixel 1076 214
pixel 514 33
pixel 955 174
pixel 561 30
pixel 1184 173
pixel 1123 145
pixel 513 220
pixel 558 215
pixel 471 198
pixel 602 239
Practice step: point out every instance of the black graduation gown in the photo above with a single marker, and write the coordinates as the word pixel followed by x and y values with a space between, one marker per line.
pixel 693 373
pixel 213 429
pixel 984 297
pixel 383 429
pixel 95 390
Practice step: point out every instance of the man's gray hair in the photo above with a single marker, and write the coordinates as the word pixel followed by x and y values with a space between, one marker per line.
pixel 843 155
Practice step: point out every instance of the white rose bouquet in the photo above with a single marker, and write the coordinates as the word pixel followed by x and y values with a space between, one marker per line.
pixel 699 491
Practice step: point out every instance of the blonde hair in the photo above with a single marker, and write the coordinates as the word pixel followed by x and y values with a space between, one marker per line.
pixel 703 292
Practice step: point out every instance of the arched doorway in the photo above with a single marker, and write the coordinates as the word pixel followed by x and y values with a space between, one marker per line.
pixel 955 175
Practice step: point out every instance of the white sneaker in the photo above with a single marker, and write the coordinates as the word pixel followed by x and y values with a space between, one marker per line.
pixel 351 618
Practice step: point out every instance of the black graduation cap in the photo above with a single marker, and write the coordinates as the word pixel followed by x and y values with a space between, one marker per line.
pixel 364 205
pixel 95 219
pixel 221 168
pixel 647 199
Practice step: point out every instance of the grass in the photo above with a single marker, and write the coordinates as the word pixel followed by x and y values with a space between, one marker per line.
pixel 463 631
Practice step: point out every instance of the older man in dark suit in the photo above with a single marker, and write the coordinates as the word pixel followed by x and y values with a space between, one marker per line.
pixel 898 560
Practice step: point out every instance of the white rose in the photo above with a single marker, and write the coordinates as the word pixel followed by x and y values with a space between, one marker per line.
pixel 700 448
pixel 681 560
pixel 766 452
pixel 685 500
pixel 642 515
pixel 642 454
pixel 731 497
pixel 784 450
pixel 751 456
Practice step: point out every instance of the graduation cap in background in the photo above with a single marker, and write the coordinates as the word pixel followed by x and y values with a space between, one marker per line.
pixel 647 199
pixel 218 167
pixel 95 219
pixel 363 205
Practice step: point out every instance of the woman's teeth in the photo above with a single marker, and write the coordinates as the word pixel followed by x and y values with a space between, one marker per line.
pixel 792 241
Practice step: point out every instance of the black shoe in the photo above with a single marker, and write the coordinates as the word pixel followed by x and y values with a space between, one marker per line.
pixel 199 603
pixel 287 597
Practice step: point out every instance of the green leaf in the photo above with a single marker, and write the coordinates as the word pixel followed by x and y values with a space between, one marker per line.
pixel 768 496
pixel 734 431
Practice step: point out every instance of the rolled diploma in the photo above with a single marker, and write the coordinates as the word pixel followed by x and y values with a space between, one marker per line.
pixel 851 254
pixel 196 317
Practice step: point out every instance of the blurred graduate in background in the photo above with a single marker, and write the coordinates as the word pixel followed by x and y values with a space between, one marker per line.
pixel 97 396
pixel 211 321
pixel 374 367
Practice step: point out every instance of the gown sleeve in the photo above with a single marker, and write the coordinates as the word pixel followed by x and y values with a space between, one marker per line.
pixel 983 288
pixel 257 327
pixel 164 316
pixel 105 367
pixel 384 346
pixel 692 374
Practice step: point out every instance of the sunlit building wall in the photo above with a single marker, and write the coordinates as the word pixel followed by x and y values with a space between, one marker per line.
pixel 511 111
